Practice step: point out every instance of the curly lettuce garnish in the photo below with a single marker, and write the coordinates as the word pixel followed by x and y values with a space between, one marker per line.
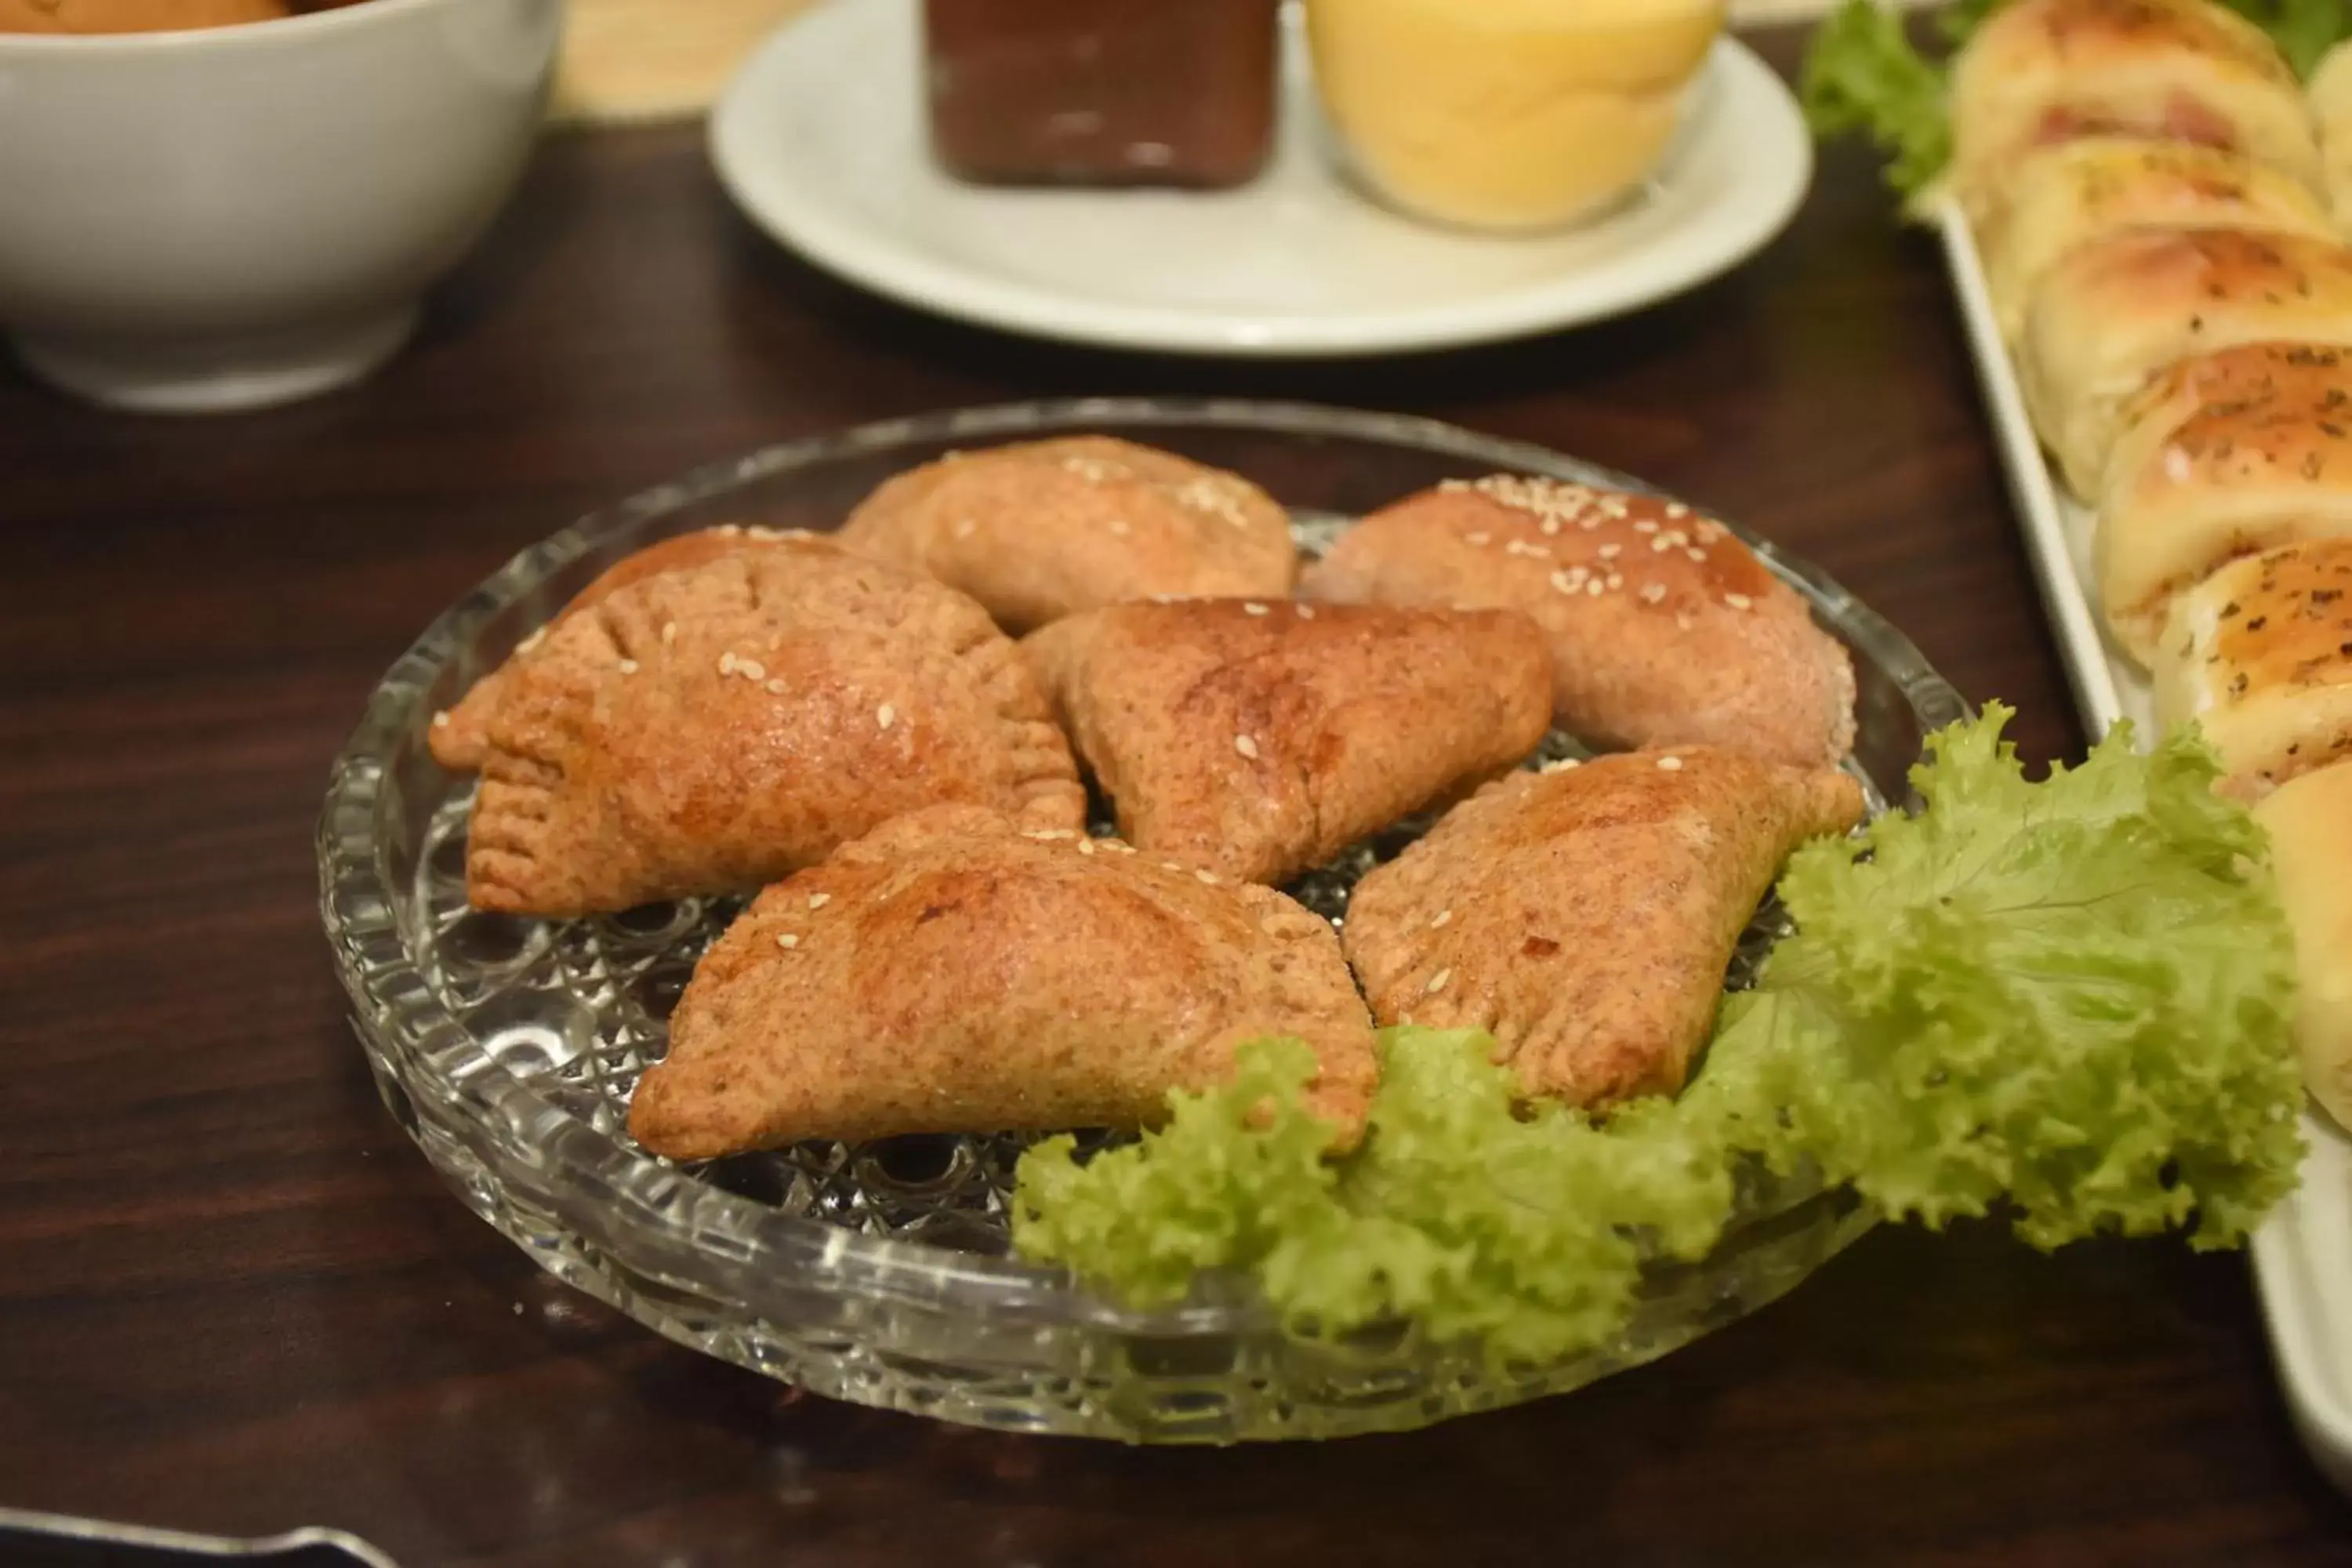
pixel 1863 75
pixel 2072 996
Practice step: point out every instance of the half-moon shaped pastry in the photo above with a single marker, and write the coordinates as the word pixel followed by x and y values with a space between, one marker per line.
pixel 2230 453
pixel 2260 654
pixel 2044 71
pixel 1586 915
pixel 950 973
pixel 1041 529
pixel 2062 198
pixel 460 737
pixel 1665 629
pixel 1259 738
pixel 716 727
pixel 2120 310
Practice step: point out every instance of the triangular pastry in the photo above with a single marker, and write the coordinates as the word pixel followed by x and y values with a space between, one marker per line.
pixel 714 727
pixel 951 973
pixel 1259 738
pixel 1586 915
pixel 1041 529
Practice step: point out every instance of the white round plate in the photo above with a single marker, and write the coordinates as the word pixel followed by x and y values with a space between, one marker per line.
pixel 821 139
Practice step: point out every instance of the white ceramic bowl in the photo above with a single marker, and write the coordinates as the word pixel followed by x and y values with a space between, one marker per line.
pixel 240 217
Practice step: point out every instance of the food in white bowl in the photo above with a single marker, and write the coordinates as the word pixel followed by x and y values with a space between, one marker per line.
pixel 226 217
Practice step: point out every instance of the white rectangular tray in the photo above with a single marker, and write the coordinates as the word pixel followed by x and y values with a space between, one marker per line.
pixel 2302 1253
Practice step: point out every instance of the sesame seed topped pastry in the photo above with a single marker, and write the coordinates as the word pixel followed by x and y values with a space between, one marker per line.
pixel 2119 311
pixel 951 972
pixel 2226 454
pixel 2064 196
pixel 1260 739
pixel 1041 529
pixel 2044 71
pixel 1664 628
pixel 1586 915
pixel 2260 654
pixel 714 727
pixel 459 738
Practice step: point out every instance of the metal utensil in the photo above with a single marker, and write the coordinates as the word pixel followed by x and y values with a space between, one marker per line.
pixel 30 1540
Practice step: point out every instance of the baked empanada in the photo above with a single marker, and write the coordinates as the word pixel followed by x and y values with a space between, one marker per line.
pixel 716 727
pixel 1259 739
pixel 1664 628
pixel 460 737
pixel 1586 915
pixel 1041 529
pixel 953 973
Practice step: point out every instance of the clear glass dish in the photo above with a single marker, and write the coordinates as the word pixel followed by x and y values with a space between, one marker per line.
pixel 877 1274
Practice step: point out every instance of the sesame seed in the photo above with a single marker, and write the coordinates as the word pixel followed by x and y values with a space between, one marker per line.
pixel 1660 546
pixel 1587 523
pixel 1119 525
pixel 1652 593
pixel 886 716
pixel 1593 589
pixel 764 534
pixel 1086 846
pixel 775 685
pixel 1682 622
pixel 538 635
pixel 1048 835
pixel 1738 601
pixel 788 942
pixel 726 663
pixel 1550 526
pixel 441 720
pixel 1615 582
pixel 1671 764
pixel 629 666
pixel 1677 509
pixel 750 669
pixel 1478 539
pixel 1254 608
pixel 1695 554
pixel 1170 866
pixel 1442 916
pixel 1306 612
pixel 1646 526
pixel 1610 552
pixel 1565 583
pixel 670 633
pixel 1561 765
pixel 1437 981
pixel 1245 746
pixel 729 531
pixel 1208 876
pixel 964 527
pixel 818 901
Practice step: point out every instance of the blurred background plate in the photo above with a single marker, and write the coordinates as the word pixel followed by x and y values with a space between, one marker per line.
pixel 819 139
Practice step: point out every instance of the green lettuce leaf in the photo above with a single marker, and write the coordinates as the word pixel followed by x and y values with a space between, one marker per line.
pixel 2072 996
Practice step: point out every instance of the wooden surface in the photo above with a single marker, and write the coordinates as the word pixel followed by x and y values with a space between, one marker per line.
pixel 234 1297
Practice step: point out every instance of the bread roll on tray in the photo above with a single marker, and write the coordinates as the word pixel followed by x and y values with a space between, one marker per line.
pixel 2121 310
pixel 2044 71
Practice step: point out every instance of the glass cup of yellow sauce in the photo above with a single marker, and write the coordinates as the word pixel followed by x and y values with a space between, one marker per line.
pixel 1507 115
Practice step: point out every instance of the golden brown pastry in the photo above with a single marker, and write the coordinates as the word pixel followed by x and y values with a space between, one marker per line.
pixel 1259 738
pixel 2260 654
pixel 1046 528
pixel 2121 310
pixel 2225 454
pixel 2309 820
pixel 2062 198
pixel 950 973
pixel 716 727
pixel 2331 105
pixel 2044 71
pixel 1586 915
pixel 1665 629
pixel 133 16
pixel 460 737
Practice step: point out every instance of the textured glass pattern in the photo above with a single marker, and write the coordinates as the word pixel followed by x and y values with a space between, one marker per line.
pixel 508 1047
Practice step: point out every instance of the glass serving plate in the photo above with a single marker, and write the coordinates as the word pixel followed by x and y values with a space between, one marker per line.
pixel 879 1273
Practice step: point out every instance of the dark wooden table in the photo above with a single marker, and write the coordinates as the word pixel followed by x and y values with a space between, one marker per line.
pixel 233 1298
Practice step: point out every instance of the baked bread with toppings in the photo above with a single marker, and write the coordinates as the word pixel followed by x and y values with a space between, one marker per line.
pixel 951 971
pixel 1259 738
pixel 1664 628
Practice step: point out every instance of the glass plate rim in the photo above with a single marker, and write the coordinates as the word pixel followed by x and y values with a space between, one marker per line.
pixel 643 1199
